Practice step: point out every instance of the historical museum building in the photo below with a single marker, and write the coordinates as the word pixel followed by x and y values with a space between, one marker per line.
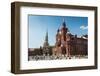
pixel 66 44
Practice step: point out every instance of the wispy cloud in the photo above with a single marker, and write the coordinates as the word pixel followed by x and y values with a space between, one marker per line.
pixel 83 27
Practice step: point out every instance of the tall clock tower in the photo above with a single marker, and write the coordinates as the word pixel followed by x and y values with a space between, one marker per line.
pixel 46 45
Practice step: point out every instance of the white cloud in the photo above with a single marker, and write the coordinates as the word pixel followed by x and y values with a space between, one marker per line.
pixel 83 27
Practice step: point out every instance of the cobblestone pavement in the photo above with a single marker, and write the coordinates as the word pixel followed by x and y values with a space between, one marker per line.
pixel 36 58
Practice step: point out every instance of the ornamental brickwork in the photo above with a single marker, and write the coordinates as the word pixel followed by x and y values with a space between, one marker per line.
pixel 68 44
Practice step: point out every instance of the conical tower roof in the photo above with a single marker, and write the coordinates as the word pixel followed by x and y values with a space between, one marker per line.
pixel 46 40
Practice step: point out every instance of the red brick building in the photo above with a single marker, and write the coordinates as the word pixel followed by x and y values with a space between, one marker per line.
pixel 68 44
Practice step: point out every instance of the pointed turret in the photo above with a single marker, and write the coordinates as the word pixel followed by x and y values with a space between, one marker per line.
pixel 64 23
pixel 64 29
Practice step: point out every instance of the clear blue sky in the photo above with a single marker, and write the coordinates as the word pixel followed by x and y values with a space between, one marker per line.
pixel 38 25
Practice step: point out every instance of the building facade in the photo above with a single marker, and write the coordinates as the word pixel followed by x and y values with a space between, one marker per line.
pixel 68 44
